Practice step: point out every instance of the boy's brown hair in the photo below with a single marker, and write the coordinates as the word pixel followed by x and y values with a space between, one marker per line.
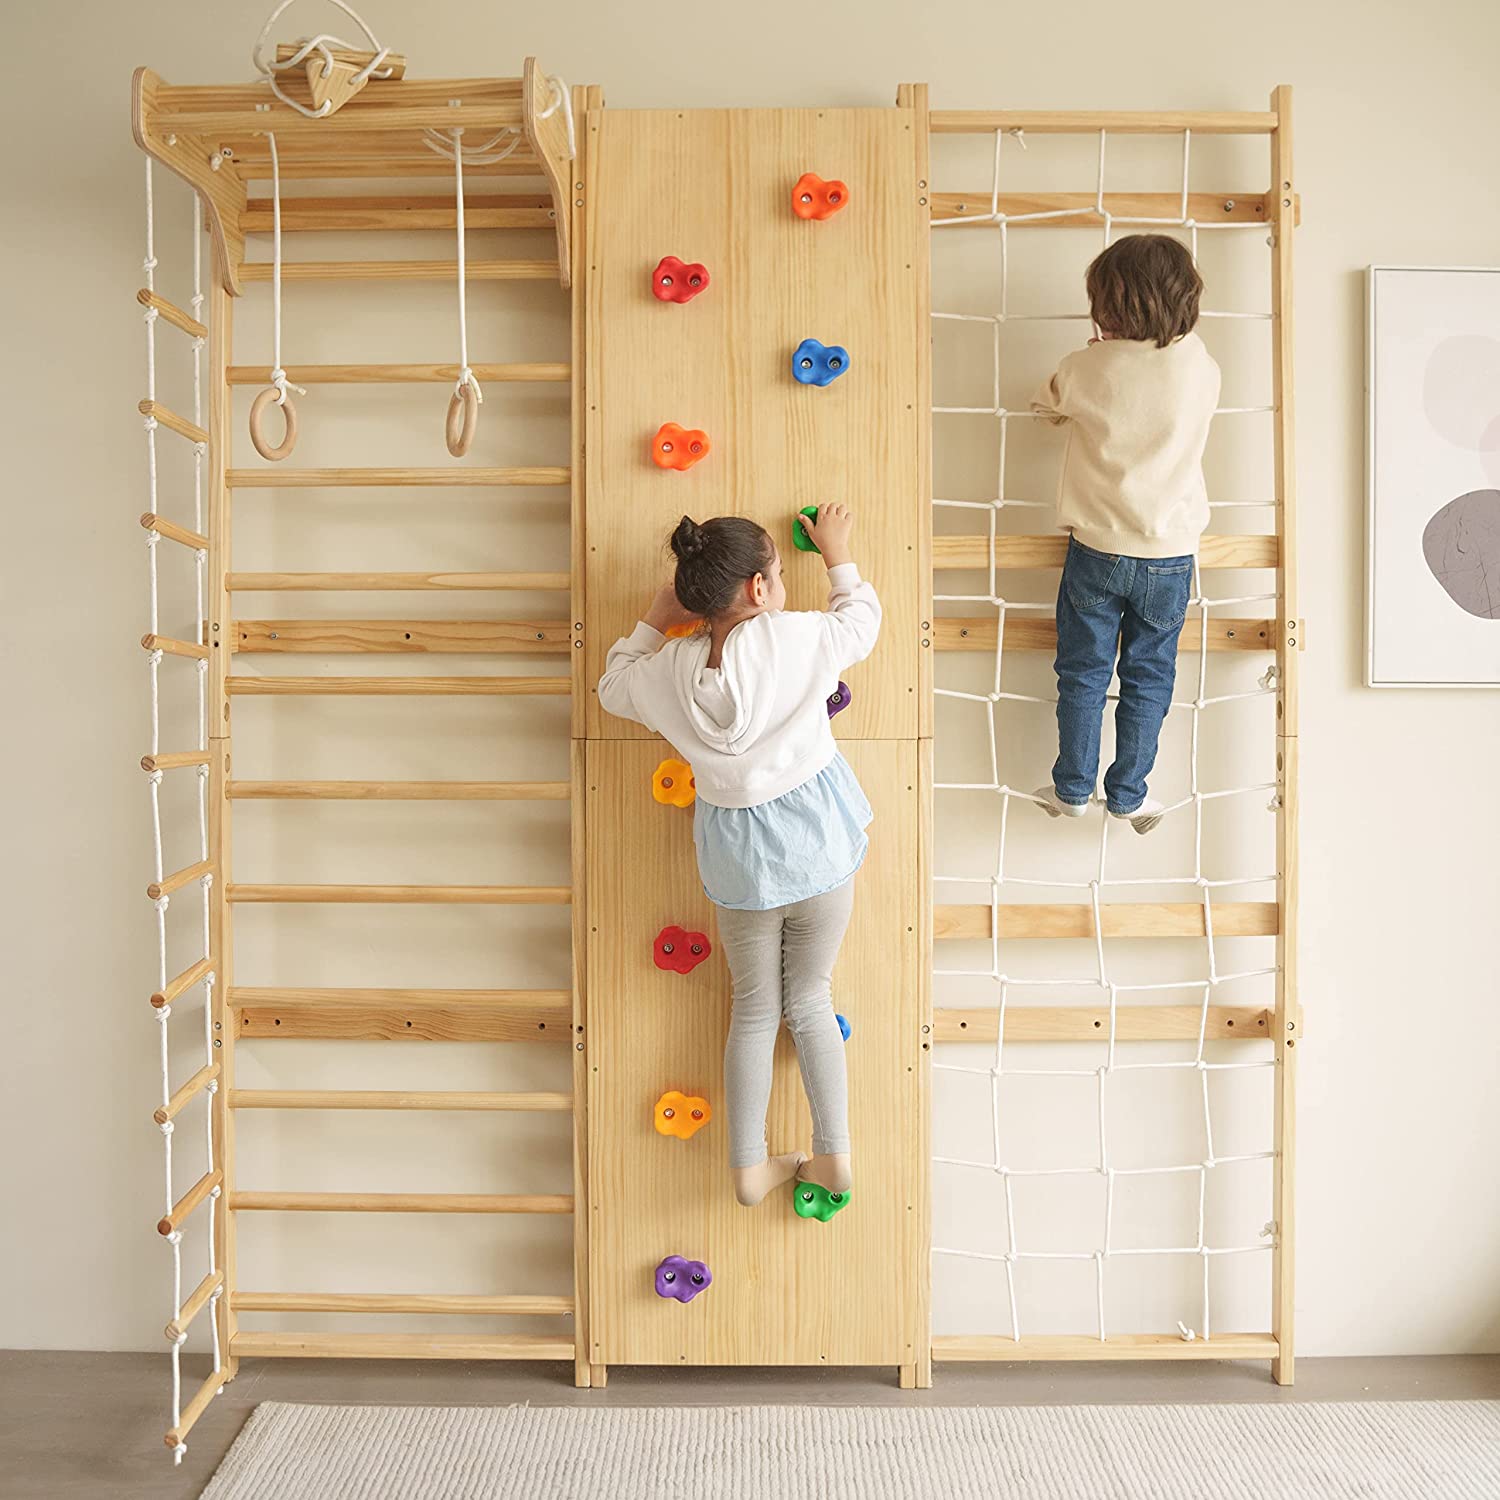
pixel 1144 287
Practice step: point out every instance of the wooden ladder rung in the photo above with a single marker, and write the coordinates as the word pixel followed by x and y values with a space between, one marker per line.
pixel 496 374
pixel 399 1346
pixel 400 791
pixel 172 760
pixel 384 1099
pixel 401 637
pixel 1121 919
pixel 174 647
pixel 1216 551
pixel 213 1383
pixel 322 215
pixel 369 583
pixel 183 981
pixel 1085 1023
pixel 1026 632
pixel 190 1090
pixel 402 1203
pixel 172 313
pixel 515 1305
pixel 402 895
pixel 173 532
pixel 398 687
pixel 421 1015
pixel 193 1306
pixel 179 878
pixel 1064 1346
pixel 166 417
pixel 270 478
pixel 200 1190
pixel 402 270
pixel 1216 208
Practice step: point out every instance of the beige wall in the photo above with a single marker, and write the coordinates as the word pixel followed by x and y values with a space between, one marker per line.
pixel 1398 1238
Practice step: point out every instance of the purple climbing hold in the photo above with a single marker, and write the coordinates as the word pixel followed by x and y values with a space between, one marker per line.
pixel 839 699
pixel 682 1279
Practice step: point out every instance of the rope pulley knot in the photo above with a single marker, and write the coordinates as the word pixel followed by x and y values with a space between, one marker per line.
pixel 161 903
pixel 163 1016
pixel 167 1127
pixel 175 1238
pixel 155 777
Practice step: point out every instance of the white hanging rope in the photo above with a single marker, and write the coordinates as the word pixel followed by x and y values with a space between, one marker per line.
pixel 162 904
pixel 276 391
pixel 321 44
pixel 1000 876
pixel 463 405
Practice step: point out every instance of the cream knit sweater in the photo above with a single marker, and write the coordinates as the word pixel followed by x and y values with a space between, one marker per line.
pixel 1132 473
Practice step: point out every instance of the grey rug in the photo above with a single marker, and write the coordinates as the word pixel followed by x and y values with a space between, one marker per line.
pixel 1429 1450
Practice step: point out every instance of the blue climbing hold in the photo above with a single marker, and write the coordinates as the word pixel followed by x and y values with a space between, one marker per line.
pixel 844 1027
pixel 818 364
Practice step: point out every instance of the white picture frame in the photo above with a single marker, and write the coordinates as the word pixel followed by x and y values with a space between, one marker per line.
pixel 1429 331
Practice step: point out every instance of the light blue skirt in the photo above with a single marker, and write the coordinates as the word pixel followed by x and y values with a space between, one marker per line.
pixel 799 845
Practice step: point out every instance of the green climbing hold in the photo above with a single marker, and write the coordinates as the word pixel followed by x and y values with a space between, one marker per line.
pixel 813 1201
pixel 800 539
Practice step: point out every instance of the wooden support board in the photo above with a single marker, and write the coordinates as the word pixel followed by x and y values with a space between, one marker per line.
pixel 785 1290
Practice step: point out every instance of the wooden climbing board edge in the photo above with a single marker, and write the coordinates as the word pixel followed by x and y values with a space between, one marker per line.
pixel 786 1290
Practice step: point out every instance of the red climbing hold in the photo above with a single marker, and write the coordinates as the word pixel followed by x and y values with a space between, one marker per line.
pixel 812 198
pixel 680 951
pixel 675 281
pixel 676 447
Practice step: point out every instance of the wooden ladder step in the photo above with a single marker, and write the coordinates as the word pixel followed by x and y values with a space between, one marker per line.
pixel 1028 632
pixel 1121 919
pixel 402 270
pixel 319 215
pixel 400 895
pixel 270 478
pixel 401 1203
pixel 398 687
pixel 164 416
pixel 401 374
pixel 402 637
pixel 369 583
pixel 420 1015
pixel 399 1346
pixel 1090 1023
pixel 383 1099
pixel 514 1305
pixel 1063 1346
pixel 400 791
pixel 172 313
pixel 1216 551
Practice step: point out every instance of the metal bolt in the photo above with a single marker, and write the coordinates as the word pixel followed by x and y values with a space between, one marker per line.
pixel 1229 205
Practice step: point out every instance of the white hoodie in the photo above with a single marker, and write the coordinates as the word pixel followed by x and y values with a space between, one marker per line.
pixel 757 725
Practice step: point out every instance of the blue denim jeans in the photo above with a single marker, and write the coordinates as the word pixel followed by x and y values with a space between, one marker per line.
pixel 1137 604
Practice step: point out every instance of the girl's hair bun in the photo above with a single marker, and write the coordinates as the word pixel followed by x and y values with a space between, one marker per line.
pixel 688 539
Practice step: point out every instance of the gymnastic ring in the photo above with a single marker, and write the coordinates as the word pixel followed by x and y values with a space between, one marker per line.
pixel 288 411
pixel 463 418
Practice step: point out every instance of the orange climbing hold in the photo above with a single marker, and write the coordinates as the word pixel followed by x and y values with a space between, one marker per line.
pixel 682 1115
pixel 672 783
pixel 812 198
pixel 676 447
pixel 672 632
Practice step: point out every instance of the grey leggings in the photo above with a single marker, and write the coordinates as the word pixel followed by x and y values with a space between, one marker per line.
pixel 782 962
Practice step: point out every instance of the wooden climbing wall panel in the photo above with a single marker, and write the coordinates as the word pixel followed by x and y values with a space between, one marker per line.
pixel 715 187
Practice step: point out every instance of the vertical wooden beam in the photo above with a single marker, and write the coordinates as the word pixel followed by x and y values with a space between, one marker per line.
pixel 1281 201
pixel 220 417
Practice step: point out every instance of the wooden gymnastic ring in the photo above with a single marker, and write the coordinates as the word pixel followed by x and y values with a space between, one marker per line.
pixel 463 418
pixel 288 411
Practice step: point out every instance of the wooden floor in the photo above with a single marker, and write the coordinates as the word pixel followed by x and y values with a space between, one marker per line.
pixel 89 1425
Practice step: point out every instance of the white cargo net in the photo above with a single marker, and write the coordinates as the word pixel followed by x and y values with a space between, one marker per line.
pixel 1099 878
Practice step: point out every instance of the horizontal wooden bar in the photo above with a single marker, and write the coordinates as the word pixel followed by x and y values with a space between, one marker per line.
pixel 363 637
pixel 402 1203
pixel 1088 121
pixel 401 895
pixel 402 270
pixel 1090 1023
pixel 385 1099
pixel 400 791
pixel 190 1090
pixel 401 374
pixel 379 94
pixel 173 647
pixel 173 532
pixel 1027 632
pixel 172 313
pixel 193 1306
pixel 398 687
pixel 189 1201
pixel 1205 208
pixel 270 478
pixel 1075 1346
pixel 255 166
pixel 371 583
pixel 1216 551
pixel 1122 919
pixel 166 417
pixel 514 1305
pixel 423 1015
pixel 213 1383
pixel 179 878
pixel 183 981
pixel 320 215
pixel 399 1346
pixel 173 760
pixel 487 117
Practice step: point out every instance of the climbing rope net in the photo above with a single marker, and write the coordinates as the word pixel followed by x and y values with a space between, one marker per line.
pixel 163 1000
pixel 1092 884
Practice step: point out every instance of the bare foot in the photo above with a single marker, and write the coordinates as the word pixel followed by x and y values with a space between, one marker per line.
pixel 751 1184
